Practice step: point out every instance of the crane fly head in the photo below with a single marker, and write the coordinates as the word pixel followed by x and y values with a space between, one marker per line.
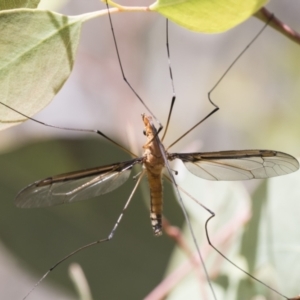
pixel 150 129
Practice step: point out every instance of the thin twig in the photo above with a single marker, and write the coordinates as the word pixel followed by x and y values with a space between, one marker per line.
pixel 264 15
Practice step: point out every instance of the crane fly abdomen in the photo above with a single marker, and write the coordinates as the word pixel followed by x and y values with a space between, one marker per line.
pixel 156 205
pixel 154 164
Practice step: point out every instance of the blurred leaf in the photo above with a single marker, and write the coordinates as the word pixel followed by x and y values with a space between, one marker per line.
pixel 270 242
pixel 279 234
pixel 250 243
pixel 36 57
pixel 11 4
pixel 207 15
pixel 251 233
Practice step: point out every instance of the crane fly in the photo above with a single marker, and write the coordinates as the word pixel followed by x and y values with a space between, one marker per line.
pixel 84 184
pixel 224 165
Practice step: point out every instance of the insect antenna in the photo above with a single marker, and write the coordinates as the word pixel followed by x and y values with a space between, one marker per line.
pixel 217 83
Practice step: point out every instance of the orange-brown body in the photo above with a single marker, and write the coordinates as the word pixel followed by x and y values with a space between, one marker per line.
pixel 154 164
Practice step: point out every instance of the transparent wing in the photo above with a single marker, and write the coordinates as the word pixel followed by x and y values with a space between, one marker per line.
pixel 238 165
pixel 75 186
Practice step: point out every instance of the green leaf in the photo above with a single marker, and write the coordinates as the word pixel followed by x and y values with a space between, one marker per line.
pixel 12 4
pixel 209 16
pixel 36 57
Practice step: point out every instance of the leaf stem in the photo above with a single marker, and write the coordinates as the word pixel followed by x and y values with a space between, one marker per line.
pixel 264 15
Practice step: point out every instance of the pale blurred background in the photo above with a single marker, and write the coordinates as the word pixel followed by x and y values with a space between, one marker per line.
pixel 258 100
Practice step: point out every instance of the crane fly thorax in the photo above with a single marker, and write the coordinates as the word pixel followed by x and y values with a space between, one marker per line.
pixel 153 158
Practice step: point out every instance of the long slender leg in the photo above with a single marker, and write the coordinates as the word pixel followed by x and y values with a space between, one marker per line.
pixel 172 81
pixel 216 85
pixel 181 203
pixel 71 129
pixel 230 261
pixel 216 249
pixel 123 73
pixel 107 239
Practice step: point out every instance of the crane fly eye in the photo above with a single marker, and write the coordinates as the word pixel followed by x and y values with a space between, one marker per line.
pixel 144 132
